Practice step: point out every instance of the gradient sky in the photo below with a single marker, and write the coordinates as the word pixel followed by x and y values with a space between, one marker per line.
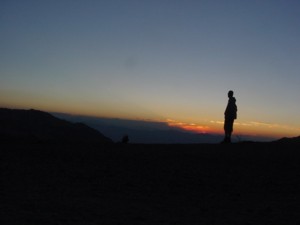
pixel 164 60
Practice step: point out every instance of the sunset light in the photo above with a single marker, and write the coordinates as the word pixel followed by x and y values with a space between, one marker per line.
pixel 192 127
pixel 149 112
pixel 154 60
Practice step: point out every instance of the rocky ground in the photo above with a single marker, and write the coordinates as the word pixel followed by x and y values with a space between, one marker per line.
pixel 238 184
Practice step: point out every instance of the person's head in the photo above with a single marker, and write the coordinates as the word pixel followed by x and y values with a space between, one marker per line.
pixel 230 94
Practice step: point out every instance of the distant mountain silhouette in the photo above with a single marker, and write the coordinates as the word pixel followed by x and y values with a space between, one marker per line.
pixel 34 125
pixel 292 140
pixel 151 132
pixel 146 132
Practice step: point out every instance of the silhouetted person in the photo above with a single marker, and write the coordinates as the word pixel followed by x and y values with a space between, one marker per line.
pixel 125 139
pixel 230 116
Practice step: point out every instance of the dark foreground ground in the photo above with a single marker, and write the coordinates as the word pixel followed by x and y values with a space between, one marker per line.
pixel 239 184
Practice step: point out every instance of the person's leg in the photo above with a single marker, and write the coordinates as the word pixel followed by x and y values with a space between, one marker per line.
pixel 229 137
pixel 228 125
pixel 230 129
pixel 226 132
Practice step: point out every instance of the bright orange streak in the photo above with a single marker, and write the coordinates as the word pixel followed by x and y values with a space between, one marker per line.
pixel 190 127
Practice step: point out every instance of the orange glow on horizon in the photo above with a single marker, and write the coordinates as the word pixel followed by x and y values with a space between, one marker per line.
pixel 261 129
pixel 258 129
pixel 191 127
pixel 212 126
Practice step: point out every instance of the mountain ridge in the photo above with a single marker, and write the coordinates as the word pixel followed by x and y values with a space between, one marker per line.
pixel 152 132
pixel 39 126
pixel 291 140
pixel 35 125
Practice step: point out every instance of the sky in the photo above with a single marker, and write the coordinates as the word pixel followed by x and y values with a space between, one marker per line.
pixel 161 60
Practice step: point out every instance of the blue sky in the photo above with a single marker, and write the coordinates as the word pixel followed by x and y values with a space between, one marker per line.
pixel 155 60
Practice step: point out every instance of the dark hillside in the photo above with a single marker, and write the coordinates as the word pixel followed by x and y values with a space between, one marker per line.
pixel 238 184
pixel 293 140
pixel 33 125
